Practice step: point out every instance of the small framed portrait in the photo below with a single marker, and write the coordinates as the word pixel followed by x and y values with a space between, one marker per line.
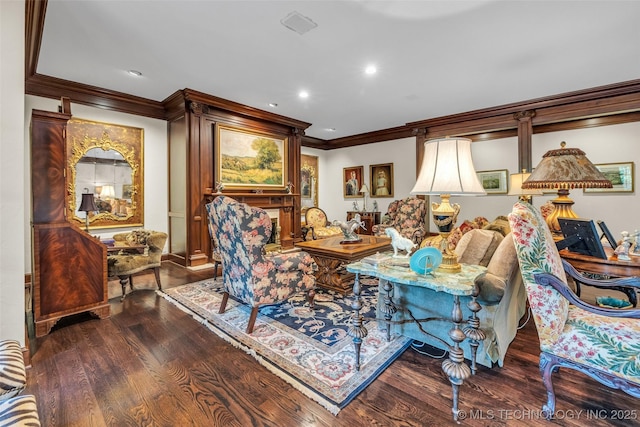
pixel 381 180
pixel 352 181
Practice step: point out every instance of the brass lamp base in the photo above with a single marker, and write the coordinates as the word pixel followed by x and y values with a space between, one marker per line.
pixel 444 216
pixel 562 210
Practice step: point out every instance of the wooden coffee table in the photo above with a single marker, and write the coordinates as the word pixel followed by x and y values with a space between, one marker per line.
pixel 332 257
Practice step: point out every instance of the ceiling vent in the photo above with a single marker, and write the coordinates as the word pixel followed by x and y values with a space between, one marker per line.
pixel 298 23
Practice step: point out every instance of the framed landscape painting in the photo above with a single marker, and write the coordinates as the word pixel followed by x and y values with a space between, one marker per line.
pixel 250 160
pixel 352 181
pixel 620 175
pixel 494 182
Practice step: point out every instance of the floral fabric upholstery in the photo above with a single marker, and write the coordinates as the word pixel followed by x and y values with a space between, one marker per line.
pixel 241 232
pixel 456 234
pixel 407 216
pixel 317 218
pixel 605 343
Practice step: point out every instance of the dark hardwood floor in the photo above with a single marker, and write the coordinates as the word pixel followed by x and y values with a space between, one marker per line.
pixel 151 364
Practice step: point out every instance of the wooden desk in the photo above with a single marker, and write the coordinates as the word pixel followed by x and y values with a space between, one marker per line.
pixel 611 267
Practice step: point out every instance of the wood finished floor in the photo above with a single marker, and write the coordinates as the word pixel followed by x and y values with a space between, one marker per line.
pixel 151 364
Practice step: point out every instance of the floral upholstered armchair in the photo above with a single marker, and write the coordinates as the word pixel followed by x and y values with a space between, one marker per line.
pixel 126 263
pixel 317 226
pixel 241 232
pixel 603 343
pixel 407 216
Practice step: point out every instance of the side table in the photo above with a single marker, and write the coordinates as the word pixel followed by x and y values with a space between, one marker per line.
pixel 369 218
pixel 454 284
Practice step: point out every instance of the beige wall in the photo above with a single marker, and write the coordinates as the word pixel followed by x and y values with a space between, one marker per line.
pixel 13 154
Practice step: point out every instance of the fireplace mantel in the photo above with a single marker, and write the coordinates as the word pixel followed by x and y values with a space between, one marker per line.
pixel 283 202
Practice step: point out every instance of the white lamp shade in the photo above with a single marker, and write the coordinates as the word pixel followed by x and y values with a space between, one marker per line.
pixel 447 168
pixel 516 186
pixel 364 188
pixel 108 192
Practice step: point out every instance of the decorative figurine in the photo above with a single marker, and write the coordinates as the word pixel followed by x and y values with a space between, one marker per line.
pixel 375 206
pixel 636 243
pixel 219 187
pixel 289 187
pixel 623 249
pixel 355 206
pixel 349 229
pixel 399 243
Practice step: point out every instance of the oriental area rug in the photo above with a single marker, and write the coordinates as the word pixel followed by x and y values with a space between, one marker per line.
pixel 310 349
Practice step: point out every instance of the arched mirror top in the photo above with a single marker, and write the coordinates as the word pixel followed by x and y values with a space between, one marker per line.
pixel 105 160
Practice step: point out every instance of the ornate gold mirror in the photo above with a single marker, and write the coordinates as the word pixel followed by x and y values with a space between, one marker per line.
pixel 309 180
pixel 105 160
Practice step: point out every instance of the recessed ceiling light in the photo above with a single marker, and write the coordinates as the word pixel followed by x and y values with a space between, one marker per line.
pixel 370 70
pixel 330 129
pixel 273 105
pixel 135 73
pixel 303 94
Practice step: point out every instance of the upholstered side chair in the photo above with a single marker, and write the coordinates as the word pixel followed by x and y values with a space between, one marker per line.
pixel 125 264
pixel 317 225
pixel 603 343
pixel 250 274
pixel 407 216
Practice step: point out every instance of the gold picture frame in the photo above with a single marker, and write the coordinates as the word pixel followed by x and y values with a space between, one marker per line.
pixel 494 181
pixel 621 176
pixel 352 181
pixel 247 159
pixel 309 180
pixel 381 180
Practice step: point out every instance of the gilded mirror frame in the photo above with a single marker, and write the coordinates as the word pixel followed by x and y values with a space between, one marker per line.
pixel 85 135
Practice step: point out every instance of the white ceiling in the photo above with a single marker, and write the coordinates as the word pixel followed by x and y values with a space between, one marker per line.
pixel 434 58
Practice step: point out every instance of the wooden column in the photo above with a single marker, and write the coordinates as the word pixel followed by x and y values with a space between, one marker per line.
pixel 525 130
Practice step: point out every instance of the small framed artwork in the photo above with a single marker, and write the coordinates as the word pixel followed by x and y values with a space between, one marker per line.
pixel 494 182
pixel 352 180
pixel 620 175
pixel 381 180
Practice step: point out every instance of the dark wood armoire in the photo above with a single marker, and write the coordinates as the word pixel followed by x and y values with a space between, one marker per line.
pixel 69 265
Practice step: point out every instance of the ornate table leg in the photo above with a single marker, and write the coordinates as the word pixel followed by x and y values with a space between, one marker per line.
pixel 357 330
pixel 389 308
pixel 455 368
pixel 473 331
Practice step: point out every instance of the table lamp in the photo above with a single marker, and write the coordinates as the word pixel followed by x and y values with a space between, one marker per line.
pixel 364 190
pixel 515 188
pixel 87 205
pixel 447 170
pixel 564 169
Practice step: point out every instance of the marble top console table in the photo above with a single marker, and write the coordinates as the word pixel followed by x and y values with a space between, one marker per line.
pixel 455 285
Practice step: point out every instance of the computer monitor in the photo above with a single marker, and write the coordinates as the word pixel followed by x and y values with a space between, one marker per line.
pixel 580 236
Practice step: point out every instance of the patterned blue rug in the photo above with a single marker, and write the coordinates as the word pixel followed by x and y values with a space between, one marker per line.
pixel 310 349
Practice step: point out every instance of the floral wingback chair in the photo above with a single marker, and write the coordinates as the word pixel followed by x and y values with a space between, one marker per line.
pixel 603 343
pixel 407 216
pixel 241 232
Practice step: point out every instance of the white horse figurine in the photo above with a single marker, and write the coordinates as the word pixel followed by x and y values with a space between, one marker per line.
pixel 349 228
pixel 399 243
